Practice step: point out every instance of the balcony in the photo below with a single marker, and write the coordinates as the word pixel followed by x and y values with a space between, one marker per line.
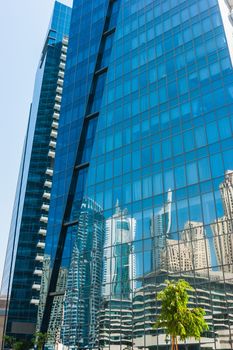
pixel 58 98
pixel 45 207
pixel 65 41
pixel 48 183
pixel 36 286
pixel 55 125
pixel 39 257
pixel 59 90
pixel 37 272
pixel 51 154
pixel 56 115
pixel 46 195
pixel 53 133
pixel 57 107
pixel 41 245
pixel 62 65
pixel 49 171
pixel 60 82
pixel 42 231
pixel 61 74
pixel 63 57
pixel 34 301
pixel 64 49
pixel 44 218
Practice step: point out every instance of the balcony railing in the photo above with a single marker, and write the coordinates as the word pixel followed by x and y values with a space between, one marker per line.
pixel 63 57
pixel 39 257
pixel 51 153
pixel 49 171
pixel 60 82
pixel 41 245
pixel 53 133
pixel 64 49
pixel 58 98
pixel 46 195
pixel 48 183
pixel 65 41
pixel 45 207
pixel 57 107
pixel 42 231
pixel 59 89
pixel 36 286
pixel 37 272
pixel 61 74
pixel 55 124
pixel 56 115
pixel 44 219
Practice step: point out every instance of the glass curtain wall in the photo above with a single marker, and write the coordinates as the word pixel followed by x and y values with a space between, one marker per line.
pixel 156 201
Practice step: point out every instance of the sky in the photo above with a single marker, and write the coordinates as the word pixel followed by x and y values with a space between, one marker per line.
pixel 23 25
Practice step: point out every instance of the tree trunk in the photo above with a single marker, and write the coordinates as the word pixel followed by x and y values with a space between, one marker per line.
pixel 176 343
pixel 173 342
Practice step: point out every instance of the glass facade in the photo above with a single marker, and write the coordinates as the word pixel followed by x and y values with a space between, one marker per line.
pixel 21 277
pixel 143 177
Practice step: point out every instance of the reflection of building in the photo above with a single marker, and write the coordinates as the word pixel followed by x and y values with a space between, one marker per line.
pixel 43 289
pixel 116 320
pixel 223 227
pixel 226 190
pixel 23 263
pixel 57 309
pixel 191 252
pixel 83 291
pixel 56 316
pixel 119 260
pixel 210 293
pixel 160 229
pixel 118 280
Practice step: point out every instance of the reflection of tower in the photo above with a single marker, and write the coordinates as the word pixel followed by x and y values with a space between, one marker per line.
pixel 160 229
pixel 43 289
pixel 54 329
pixel 119 260
pixel 83 292
pixel 71 301
pixel 226 190
pixel 223 227
pixel 118 281
pixel 192 251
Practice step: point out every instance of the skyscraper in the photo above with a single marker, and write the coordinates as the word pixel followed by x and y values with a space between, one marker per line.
pixel 146 122
pixel 23 264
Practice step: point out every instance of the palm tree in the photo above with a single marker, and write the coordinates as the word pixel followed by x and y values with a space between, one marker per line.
pixel 40 340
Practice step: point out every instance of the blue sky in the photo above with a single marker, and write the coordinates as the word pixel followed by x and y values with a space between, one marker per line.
pixel 23 25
